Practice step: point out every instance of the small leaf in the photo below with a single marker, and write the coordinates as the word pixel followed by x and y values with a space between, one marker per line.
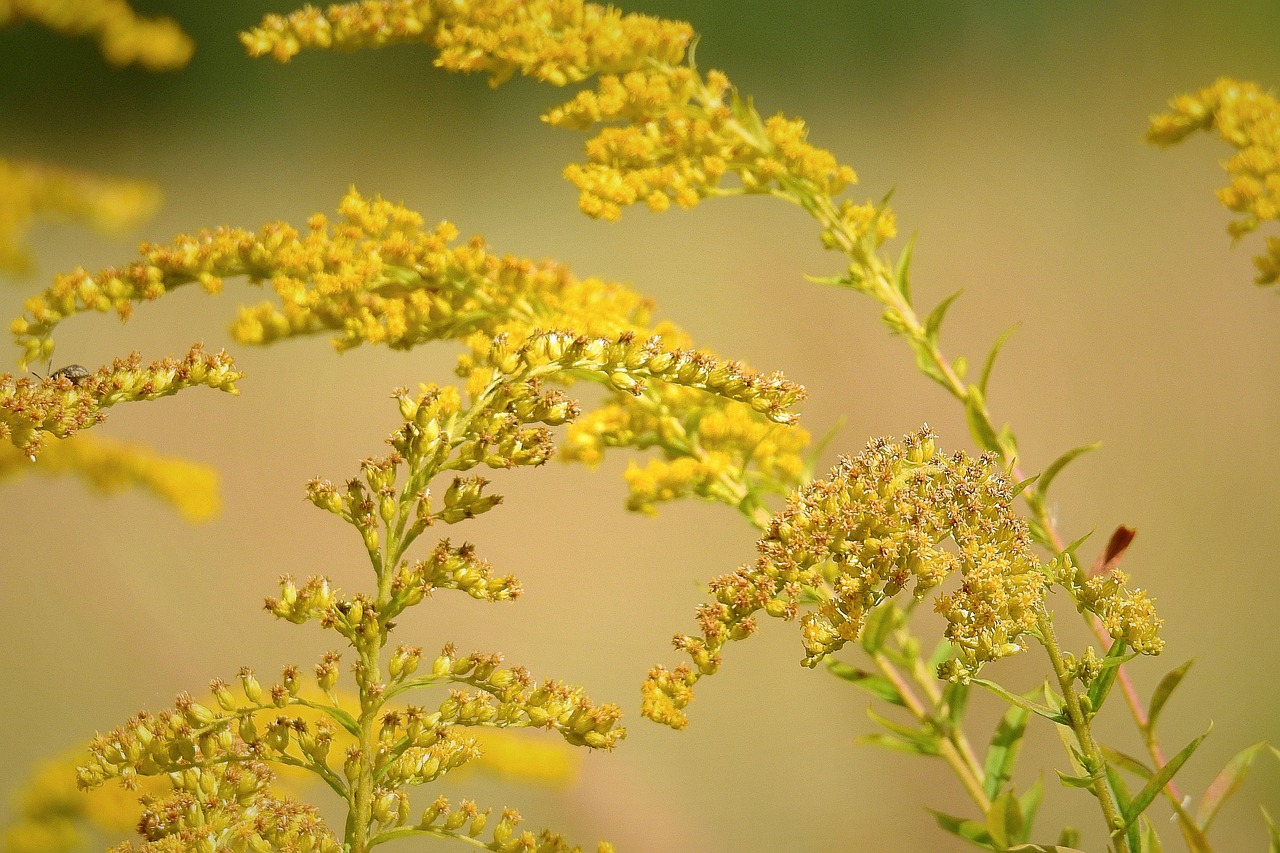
pixel 1101 686
pixel 1150 841
pixel 1123 798
pixel 902 271
pixel 925 742
pixel 1015 699
pixel 970 830
pixel 1163 691
pixel 1074 781
pixel 1039 534
pixel 1022 485
pixel 1225 784
pixel 1126 762
pixel 1055 467
pixel 1044 848
pixel 991 357
pixel 877 628
pixel 875 684
pixel 975 413
pixel 1004 819
pixel 897 744
pixel 1158 781
pixel 933 322
pixel 1273 834
pixel 1030 802
pixel 955 698
pixel 1002 753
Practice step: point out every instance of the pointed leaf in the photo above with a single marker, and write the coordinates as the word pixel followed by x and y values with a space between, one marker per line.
pixel 1015 699
pixel 1004 819
pixel 1074 781
pixel 1158 781
pixel 876 629
pixel 897 744
pixel 1225 784
pixel 970 830
pixel 1113 553
pixel 1273 834
pixel 1044 848
pixel 1022 485
pixel 1055 467
pixel 1150 841
pixel 926 742
pixel 1030 802
pixel 1163 691
pixel 1002 753
pixel 1101 686
pixel 991 356
pixel 1126 762
pixel 975 414
pixel 933 322
pixel 902 271
pixel 875 684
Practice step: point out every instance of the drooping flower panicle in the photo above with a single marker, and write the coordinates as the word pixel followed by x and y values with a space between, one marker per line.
pixel 125 37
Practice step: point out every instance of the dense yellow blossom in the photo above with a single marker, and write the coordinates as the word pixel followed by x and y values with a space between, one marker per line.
pixel 31 410
pixel 1248 119
pixel 31 191
pixel 125 37
pixel 556 41
pixel 111 466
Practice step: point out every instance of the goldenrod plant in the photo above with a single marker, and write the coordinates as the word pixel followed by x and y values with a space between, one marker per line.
pixel 124 36
pixel 851 555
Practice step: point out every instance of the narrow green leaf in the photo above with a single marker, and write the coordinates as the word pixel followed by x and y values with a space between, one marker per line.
pixel 970 830
pixel 1150 840
pixel 897 744
pixel 875 684
pixel 876 629
pixel 925 741
pixel 1101 686
pixel 831 280
pixel 1225 784
pixel 1124 798
pixel 1015 699
pixel 1030 802
pixel 991 356
pixel 979 426
pixel 1070 836
pixel 902 271
pixel 1038 534
pixel 1074 781
pixel 1022 485
pixel 1002 752
pixel 1273 834
pixel 1163 691
pixel 1004 819
pixel 925 364
pixel 933 322
pixel 1126 762
pixel 1055 467
pixel 955 699
pixel 335 713
pixel 1162 777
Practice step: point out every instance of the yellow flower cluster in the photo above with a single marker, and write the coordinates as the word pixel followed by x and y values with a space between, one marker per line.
pixel 111 466
pixel 32 410
pixel 875 526
pixel 1128 615
pixel 157 44
pixel 555 41
pixel 1249 120
pixel 35 190
pixel 710 448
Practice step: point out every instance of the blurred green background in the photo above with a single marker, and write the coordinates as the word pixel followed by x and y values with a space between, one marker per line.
pixel 1011 134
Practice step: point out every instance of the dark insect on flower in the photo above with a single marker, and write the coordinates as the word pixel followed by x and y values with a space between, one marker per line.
pixel 74 373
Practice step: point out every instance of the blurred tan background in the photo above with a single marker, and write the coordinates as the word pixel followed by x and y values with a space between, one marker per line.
pixel 1012 135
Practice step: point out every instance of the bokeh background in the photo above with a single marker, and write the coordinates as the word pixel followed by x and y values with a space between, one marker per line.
pixel 1011 135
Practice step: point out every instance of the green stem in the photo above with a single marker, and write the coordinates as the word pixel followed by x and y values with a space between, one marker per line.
pixel 1095 763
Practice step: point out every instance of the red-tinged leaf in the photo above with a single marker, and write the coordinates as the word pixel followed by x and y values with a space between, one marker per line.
pixel 1111 555
pixel 1158 781
pixel 1163 691
pixel 1225 784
